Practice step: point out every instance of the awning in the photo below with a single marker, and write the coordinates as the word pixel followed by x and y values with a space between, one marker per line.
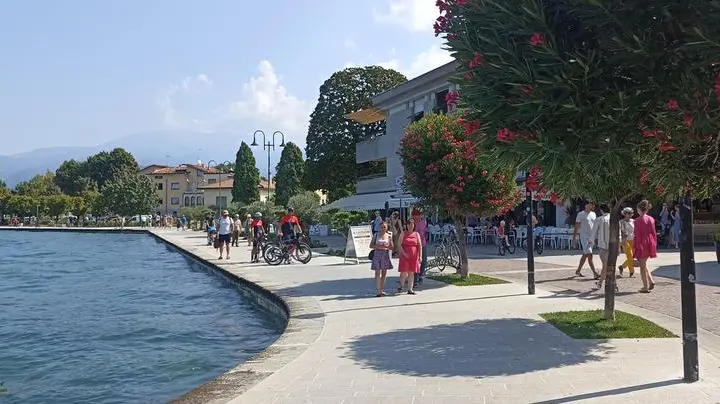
pixel 366 116
pixel 364 202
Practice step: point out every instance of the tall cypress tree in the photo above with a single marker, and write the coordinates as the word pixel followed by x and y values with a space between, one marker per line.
pixel 247 177
pixel 289 174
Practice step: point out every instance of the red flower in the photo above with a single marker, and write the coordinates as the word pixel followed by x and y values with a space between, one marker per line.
pixel 659 190
pixel 643 177
pixel 688 120
pixel 468 76
pixel 441 25
pixel 527 89
pixel 469 126
pixel 537 39
pixel 442 5
pixel 650 133
pixel 505 135
pixel 462 2
pixel 717 87
pixel 452 98
pixel 553 198
pixel 453 37
pixel 665 146
pixel 672 105
pixel 477 60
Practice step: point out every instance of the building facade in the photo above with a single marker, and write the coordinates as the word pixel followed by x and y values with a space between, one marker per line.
pixel 220 193
pixel 399 106
pixel 181 185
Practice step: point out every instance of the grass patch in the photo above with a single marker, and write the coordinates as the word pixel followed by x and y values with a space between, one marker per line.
pixel 470 280
pixel 592 325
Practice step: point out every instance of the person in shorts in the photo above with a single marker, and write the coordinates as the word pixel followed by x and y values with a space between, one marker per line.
pixel 601 233
pixel 584 228
pixel 225 229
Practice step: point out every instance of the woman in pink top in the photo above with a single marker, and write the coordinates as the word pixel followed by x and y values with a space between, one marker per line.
pixel 645 244
pixel 410 257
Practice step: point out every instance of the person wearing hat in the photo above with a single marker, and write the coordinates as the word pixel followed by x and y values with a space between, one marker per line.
pixel 422 229
pixel 627 240
pixel 225 229
pixel 258 231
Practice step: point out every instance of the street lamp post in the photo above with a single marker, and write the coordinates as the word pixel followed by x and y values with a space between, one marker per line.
pixel 210 164
pixel 267 145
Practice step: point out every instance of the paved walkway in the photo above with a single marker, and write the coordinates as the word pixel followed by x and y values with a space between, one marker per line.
pixel 484 344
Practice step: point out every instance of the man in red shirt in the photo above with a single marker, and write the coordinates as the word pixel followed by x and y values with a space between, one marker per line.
pixel 258 230
pixel 288 225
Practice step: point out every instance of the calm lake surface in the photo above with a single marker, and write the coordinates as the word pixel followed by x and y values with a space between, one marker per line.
pixel 116 318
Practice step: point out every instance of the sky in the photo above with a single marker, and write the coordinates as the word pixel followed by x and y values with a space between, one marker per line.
pixel 84 72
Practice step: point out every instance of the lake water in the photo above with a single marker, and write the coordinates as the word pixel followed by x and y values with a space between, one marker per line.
pixel 116 318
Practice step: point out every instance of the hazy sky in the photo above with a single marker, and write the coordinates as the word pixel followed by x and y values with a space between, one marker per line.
pixel 83 72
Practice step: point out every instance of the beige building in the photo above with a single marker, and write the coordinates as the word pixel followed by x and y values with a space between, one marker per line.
pixel 220 193
pixel 181 186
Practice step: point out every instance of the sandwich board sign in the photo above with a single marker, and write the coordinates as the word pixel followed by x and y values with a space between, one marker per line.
pixel 358 243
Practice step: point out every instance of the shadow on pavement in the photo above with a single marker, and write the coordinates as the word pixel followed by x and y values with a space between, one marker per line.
pixel 707 273
pixel 480 348
pixel 613 392
pixel 352 288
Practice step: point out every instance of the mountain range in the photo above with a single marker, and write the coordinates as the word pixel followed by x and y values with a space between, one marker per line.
pixel 162 147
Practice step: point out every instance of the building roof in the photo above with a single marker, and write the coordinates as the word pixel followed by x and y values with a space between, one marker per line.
pixel 228 184
pixel 158 169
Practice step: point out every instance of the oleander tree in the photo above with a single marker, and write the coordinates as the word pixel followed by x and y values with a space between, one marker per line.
pixel 444 168
pixel 601 99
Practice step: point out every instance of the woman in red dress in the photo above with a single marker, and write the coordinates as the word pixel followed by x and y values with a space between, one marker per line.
pixel 645 244
pixel 410 256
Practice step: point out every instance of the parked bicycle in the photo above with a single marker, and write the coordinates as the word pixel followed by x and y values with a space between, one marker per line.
pixel 507 245
pixel 448 252
pixel 276 254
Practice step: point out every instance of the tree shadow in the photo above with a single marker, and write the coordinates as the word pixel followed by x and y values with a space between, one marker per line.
pixel 706 273
pixel 480 348
pixel 352 288
pixel 613 392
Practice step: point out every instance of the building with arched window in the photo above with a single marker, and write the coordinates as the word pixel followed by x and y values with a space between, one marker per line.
pixel 180 186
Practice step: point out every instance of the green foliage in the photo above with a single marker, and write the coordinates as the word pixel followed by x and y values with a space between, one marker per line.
pixel 591 325
pixel 38 186
pixel 72 177
pixel 605 97
pixel 331 137
pixel 225 168
pixel 108 166
pixel 289 174
pixel 443 168
pixel 197 213
pixel 57 205
pixel 270 212
pixel 469 280
pixel 129 194
pixel 341 221
pixel 245 186
pixel 22 205
pixel 306 206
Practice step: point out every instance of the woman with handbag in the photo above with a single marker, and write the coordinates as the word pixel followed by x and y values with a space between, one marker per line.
pixel 381 246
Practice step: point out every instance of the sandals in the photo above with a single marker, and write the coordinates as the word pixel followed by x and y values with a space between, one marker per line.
pixel 643 290
pixel 578 273
pixel 652 286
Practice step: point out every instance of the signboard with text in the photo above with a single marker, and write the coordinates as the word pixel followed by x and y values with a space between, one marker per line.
pixel 357 247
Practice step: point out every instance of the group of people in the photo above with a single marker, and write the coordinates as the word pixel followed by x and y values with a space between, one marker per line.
pixel 638 240
pixel 226 231
pixel 408 241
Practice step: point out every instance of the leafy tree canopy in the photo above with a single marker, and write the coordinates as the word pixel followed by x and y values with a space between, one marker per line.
pixel 107 166
pixel 331 137
pixel 129 194
pixel 38 186
pixel 246 178
pixel 289 174
pixel 603 97
pixel 72 177
pixel 225 168
pixel 307 207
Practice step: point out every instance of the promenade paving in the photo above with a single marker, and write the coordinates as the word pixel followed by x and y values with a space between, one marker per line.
pixel 447 344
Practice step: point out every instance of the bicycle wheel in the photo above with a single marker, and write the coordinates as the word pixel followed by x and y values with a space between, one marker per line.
pixel 274 255
pixel 455 254
pixel 303 253
pixel 539 247
pixel 510 248
pixel 440 258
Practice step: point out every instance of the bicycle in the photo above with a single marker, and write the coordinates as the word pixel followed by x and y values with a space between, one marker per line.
pixel 448 251
pixel 292 249
pixel 539 242
pixel 506 246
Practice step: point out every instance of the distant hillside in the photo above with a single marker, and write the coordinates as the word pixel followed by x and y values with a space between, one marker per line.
pixel 148 148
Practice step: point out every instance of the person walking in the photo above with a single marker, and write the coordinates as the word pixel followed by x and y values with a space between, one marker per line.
pixel 410 257
pixel 396 229
pixel 257 232
pixel 225 229
pixel 237 225
pixel 381 246
pixel 584 226
pixel 601 233
pixel 376 223
pixel 248 228
pixel 675 216
pixel 627 240
pixel 645 243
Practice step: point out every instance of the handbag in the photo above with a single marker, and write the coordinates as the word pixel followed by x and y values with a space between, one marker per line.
pixel 372 252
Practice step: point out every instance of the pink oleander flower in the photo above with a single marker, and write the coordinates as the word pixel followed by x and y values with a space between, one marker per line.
pixel 537 39
pixel 672 105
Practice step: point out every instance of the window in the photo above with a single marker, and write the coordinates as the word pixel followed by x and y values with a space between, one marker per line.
pixel 187 201
pixel 159 186
pixel 175 186
pixel 200 201
pixel 192 201
pixel 418 116
pixel 372 169
pixel 158 177
pixel 175 200
pixel 160 201
pixel 212 180
pixel 441 102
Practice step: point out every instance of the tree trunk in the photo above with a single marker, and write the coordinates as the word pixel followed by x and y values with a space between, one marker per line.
pixel 613 252
pixel 459 222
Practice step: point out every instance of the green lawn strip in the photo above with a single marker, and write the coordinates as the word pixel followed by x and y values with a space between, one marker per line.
pixel 592 325
pixel 470 280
